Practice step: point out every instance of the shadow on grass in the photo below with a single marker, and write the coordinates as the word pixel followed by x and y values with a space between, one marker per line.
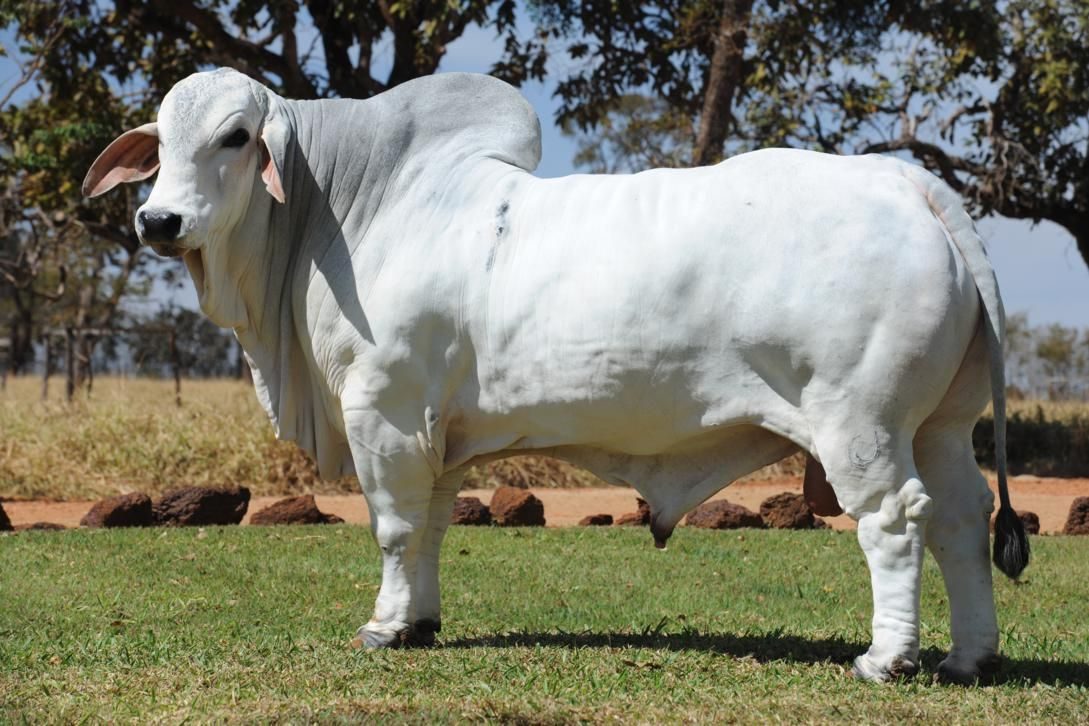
pixel 774 646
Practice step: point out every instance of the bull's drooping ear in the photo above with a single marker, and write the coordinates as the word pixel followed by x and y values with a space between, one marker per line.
pixel 273 143
pixel 131 157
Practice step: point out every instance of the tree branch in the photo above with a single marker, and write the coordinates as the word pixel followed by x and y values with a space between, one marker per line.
pixel 120 285
pixel 295 76
pixel 933 157
pixel 128 240
pixel 237 51
pixel 948 125
pixel 336 40
pixel 29 70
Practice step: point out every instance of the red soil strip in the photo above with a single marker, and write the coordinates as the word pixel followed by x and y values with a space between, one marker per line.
pixel 1049 498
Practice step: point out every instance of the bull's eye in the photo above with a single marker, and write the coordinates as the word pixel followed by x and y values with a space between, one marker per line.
pixel 236 139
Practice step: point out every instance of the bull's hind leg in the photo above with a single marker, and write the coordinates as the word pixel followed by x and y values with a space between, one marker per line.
pixel 874 477
pixel 958 539
pixel 957 534
pixel 892 538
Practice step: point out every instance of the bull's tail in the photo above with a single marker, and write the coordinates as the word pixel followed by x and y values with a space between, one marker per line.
pixel 1011 545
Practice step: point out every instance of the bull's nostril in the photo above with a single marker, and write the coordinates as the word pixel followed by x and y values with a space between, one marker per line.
pixel 159 226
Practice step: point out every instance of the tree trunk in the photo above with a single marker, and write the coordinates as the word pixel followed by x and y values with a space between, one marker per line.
pixel 85 348
pixel 48 365
pixel 11 364
pixel 70 364
pixel 10 352
pixel 1080 231
pixel 724 80
pixel 77 363
pixel 21 353
pixel 87 356
pixel 175 364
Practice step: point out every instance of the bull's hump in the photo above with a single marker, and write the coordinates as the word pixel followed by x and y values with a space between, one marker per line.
pixel 476 112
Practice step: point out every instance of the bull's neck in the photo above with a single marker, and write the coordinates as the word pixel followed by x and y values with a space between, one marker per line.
pixel 332 191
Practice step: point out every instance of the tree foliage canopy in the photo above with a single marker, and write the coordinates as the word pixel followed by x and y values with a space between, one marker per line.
pixel 993 96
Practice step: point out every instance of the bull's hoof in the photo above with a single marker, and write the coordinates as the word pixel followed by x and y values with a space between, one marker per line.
pixel 900 669
pixel 983 673
pixel 423 632
pixel 373 636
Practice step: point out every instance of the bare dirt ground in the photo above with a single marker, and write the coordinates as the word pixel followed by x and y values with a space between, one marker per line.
pixel 1049 498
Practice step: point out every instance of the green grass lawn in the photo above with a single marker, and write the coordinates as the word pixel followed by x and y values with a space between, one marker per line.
pixel 254 624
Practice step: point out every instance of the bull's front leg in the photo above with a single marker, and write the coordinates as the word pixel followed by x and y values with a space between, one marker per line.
pixel 397 481
pixel 428 608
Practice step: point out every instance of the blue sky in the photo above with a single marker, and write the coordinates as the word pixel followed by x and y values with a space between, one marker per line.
pixel 1038 266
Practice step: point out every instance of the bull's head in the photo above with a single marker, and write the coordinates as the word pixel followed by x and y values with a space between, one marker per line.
pixel 217 137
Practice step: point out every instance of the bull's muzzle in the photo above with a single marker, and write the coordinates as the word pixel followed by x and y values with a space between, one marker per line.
pixel 161 228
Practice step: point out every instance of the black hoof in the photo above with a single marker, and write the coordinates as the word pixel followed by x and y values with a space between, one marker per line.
pixel 984 673
pixel 423 633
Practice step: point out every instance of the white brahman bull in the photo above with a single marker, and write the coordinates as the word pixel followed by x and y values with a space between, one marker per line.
pixel 413 302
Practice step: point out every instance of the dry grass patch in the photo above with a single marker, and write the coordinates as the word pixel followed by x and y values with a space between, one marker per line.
pixel 130 436
pixel 1044 438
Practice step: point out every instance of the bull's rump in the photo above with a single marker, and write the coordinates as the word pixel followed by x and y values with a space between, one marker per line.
pixel 637 313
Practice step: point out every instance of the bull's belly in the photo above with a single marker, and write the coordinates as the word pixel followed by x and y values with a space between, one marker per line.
pixel 621 418
pixel 674 479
